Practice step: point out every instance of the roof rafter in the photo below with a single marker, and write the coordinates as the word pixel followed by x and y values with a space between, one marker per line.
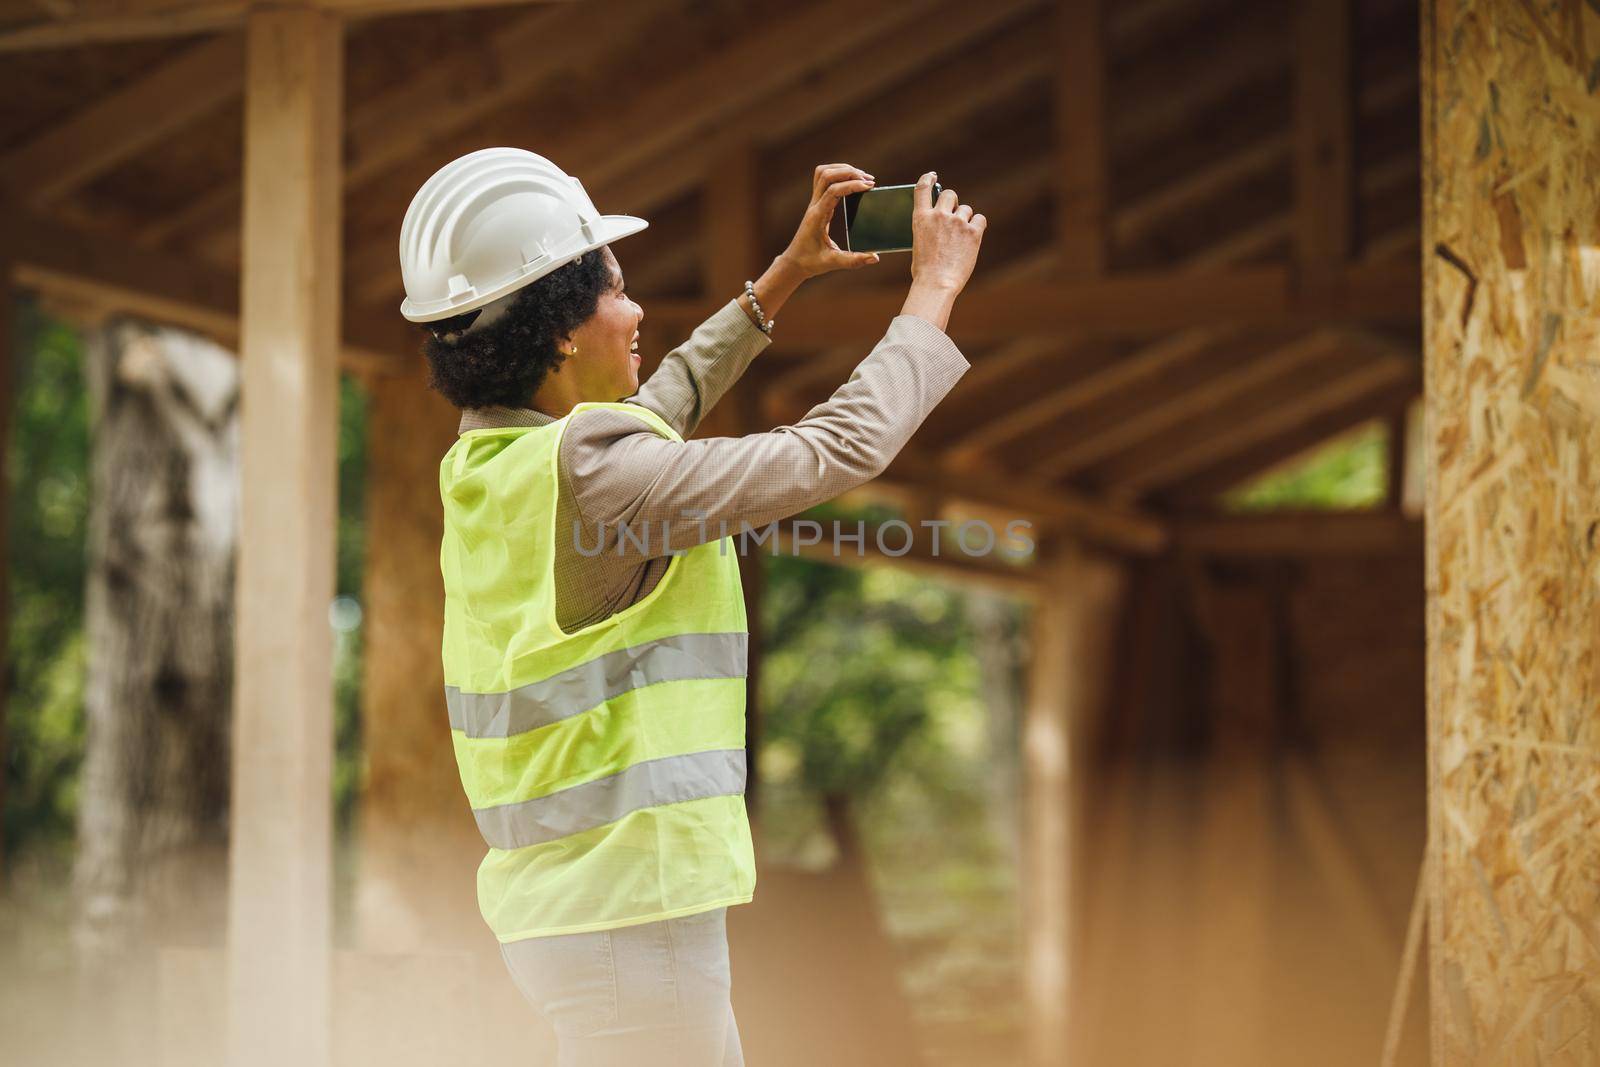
pixel 778 106
pixel 1255 417
pixel 1198 489
pixel 96 21
pixel 84 268
pixel 120 125
pixel 1156 418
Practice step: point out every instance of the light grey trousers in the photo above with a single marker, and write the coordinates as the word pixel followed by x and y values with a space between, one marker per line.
pixel 656 993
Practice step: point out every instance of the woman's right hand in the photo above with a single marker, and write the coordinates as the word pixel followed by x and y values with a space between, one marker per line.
pixel 945 236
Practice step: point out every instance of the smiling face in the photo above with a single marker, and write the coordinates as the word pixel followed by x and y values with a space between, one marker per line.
pixel 605 368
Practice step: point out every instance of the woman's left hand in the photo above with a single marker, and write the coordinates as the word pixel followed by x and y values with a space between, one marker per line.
pixel 812 251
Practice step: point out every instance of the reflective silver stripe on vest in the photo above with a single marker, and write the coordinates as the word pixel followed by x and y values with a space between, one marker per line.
pixel 669 780
pixel 576 690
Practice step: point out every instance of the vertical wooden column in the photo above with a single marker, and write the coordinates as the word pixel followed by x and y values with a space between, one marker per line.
pixel 732 219
pixel 1511 185
pixel 419 845
pixel 732 254
pixel 1230 895
pixel 1082 158
pixel 1072 642
pixel 279 885
pixel 8 382
pixel 1324 191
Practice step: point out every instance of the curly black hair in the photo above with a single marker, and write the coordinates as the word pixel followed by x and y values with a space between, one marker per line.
pixel 504 363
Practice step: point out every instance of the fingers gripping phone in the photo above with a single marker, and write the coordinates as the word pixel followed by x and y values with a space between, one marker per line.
pixel 879 220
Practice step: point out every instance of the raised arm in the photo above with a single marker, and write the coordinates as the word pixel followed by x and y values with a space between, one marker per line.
pixel 676 494
pixel 696 374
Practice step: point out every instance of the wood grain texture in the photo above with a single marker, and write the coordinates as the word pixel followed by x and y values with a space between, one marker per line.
pixel 1512 217
pixel 280 886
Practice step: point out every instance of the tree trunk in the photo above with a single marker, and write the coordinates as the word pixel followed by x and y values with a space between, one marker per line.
pixel 1000 656
pixel 152 816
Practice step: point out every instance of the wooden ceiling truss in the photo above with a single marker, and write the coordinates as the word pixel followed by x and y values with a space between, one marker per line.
pixel 1203 214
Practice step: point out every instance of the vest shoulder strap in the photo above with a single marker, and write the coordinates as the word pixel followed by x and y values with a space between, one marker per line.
pixel 655 421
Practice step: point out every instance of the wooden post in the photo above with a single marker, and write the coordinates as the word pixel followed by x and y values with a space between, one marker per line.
pixel 1511 199
pixel 279 887
pixel 1233 872
pixel 732 254
pixel 1396 455
pixel 732 219
pixel 8 375
pixel 1322 156
pixel 419 845
pixel 1082 155
pixel 1071 661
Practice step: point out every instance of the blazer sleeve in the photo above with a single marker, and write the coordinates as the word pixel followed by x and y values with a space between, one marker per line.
pixel 695 375
pixel 675 494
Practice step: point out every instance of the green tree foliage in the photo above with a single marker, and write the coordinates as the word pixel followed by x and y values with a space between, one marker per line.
pixel 48 475
pixel 872 688
pixel 47 660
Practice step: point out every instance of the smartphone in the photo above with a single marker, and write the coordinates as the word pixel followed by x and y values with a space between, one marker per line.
pixel 879 220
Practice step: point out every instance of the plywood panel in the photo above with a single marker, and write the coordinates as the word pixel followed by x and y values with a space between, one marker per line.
pixel 1512 218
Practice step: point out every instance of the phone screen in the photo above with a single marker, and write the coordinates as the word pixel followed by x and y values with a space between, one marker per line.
pixel 879 220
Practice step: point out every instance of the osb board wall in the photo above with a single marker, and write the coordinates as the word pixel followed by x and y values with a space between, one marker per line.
pixel 1512 225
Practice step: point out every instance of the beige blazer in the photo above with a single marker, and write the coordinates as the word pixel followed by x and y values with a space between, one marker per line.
pixel 615 470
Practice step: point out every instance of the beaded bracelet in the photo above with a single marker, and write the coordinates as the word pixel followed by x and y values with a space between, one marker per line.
pixel 761 316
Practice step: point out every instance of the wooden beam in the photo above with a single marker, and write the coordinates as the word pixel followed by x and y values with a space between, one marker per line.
pixel 1082 394
pixel 1395 447
pixel 1069 670
pixel 1273 410
pixel 1198 489
pixel 100 21
pixel 1403 982
pixel 1324 193
pixel 977 66
pixel 1199 185
pixel 1123 305
pixel 437 102
pixel 1215 59
pixel 1214 391
pixel 730 253
pixel 1082 155
pixel 947 50
pixel 609 143
pixel 281 820
pixel 770 109
pixel 982 68
pixel 1340 867
pixel 1298 534
pixel 120 125
pixel 8 390
pixel 105 272
pixel 908 546
pixel 1000 200
pixel 1094 521
pixel 732 206
pixel 410 814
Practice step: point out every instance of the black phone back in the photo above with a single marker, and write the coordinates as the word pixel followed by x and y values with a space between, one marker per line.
pixel 879 220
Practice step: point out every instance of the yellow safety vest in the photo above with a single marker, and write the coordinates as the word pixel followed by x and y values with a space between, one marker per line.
pixel 606 767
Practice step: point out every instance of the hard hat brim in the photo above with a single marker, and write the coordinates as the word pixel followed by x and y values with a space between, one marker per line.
pixel 609 228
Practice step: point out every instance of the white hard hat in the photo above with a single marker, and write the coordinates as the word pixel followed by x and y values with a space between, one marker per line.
pixel 491 222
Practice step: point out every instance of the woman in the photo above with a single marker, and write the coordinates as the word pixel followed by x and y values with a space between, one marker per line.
pixel 595 632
